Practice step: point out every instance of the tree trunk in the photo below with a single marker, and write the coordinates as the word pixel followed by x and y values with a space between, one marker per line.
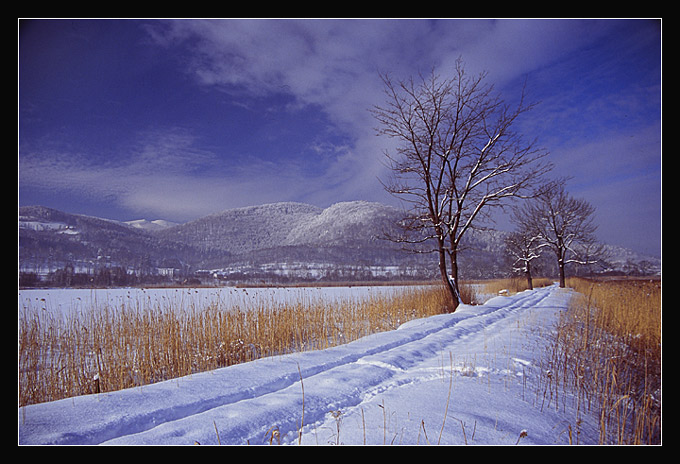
pixel 452 291
pixel 453 278
pixel 560 264
pixel 530 283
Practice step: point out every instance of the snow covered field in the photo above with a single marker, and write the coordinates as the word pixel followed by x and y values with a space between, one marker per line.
pixel 465 378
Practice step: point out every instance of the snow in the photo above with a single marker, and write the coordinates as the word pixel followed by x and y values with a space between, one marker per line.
pixel 464 378
pixel 145 224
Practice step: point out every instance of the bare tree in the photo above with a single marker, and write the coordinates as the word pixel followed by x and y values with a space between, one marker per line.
pixel 456 158
pixel 565 224
pixel 523 248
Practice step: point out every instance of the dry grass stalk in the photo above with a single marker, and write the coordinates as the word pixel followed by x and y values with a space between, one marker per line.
pixel 606 356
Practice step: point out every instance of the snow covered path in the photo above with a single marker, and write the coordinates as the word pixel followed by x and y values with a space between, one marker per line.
pixel 450 379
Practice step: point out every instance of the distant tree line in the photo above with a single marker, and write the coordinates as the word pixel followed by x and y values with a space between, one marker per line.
pixel 105 277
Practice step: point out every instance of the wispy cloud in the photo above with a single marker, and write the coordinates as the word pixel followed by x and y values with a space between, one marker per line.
pixel 164 174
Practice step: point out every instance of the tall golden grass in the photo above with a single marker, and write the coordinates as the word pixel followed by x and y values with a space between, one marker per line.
pixel 103 349
pixel 606 357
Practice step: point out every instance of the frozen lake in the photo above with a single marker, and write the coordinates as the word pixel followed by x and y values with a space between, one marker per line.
pixel 67 300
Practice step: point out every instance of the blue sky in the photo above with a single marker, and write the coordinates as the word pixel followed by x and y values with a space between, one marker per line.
pixel 129 119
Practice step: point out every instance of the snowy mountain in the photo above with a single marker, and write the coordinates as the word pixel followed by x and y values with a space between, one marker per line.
pixel 50 240
pixel 274 237
pixel 300 241
pixel 243 230
pixel 246 230
pixel 287 240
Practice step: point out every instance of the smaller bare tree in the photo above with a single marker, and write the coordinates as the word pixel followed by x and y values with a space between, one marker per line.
pixel 564 224
pixel 523 248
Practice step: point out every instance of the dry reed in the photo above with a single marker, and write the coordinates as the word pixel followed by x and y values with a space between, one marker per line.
pixel 606 358
pixel 103 349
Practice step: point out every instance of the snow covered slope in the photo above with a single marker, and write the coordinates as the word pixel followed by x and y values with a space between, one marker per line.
pixel 242 230
pixel 345 223
pixel 145 224
pixel 468 377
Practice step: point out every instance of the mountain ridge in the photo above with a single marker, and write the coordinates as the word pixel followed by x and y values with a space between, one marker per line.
pixel 247 229
pixel 242 230
pixel 248 240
